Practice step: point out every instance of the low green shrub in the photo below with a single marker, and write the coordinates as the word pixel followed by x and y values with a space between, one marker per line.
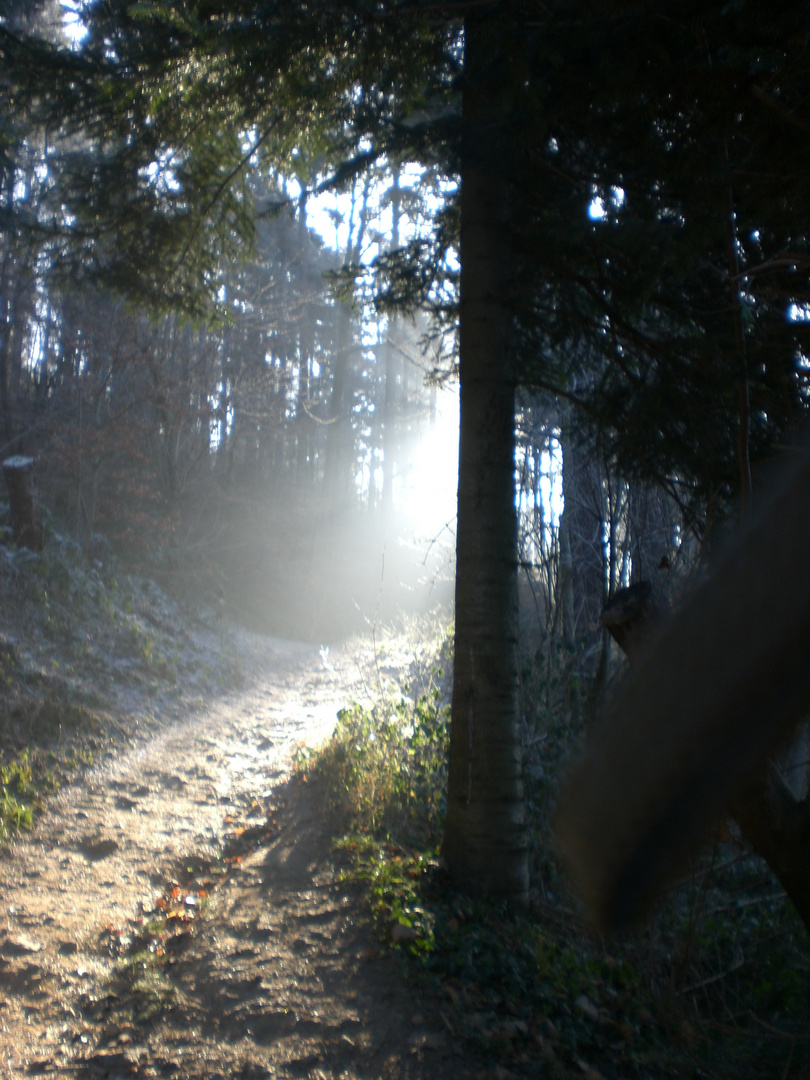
pixel 385 768
pixel 20 795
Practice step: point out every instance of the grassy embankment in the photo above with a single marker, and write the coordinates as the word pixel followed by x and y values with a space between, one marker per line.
pixel 90 658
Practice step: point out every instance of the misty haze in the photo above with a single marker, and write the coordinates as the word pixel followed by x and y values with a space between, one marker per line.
pixel 390 397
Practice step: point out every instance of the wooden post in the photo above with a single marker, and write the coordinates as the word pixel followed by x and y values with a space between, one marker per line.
pixel 25 522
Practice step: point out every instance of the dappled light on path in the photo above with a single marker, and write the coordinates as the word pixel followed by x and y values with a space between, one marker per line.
pixel 179 913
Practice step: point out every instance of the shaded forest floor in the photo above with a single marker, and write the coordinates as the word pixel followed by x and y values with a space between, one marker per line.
pixel 171 905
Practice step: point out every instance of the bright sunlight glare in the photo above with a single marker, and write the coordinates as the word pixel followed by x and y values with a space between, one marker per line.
pixel 427 490
pixel 72 26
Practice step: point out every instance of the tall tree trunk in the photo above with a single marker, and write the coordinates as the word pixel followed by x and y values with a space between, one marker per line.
pixel 391 395
pixel 7 313
pixel 486 838
pixel 583 522
pixel 339 472
pixel 304 467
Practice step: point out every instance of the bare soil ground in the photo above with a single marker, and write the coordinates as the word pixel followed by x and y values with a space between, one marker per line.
pixel 179 913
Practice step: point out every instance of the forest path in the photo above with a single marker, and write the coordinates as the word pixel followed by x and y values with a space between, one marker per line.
pixel 178 913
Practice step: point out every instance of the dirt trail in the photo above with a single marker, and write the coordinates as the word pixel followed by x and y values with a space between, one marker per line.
pixel 178 913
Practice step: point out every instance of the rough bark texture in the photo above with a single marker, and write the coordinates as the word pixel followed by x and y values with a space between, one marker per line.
pixel 581 526
pixel 695 724
pixel 25 524
pixel 486 839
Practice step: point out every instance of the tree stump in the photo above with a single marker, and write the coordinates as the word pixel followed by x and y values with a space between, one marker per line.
pixel 25 521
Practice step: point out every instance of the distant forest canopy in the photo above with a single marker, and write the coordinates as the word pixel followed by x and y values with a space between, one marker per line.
pixel 265 456
pixel 253 453
pixel 596 215
pixel 260 455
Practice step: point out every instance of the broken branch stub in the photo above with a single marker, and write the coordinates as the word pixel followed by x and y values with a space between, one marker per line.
pixel 629 614
pixel 713 694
